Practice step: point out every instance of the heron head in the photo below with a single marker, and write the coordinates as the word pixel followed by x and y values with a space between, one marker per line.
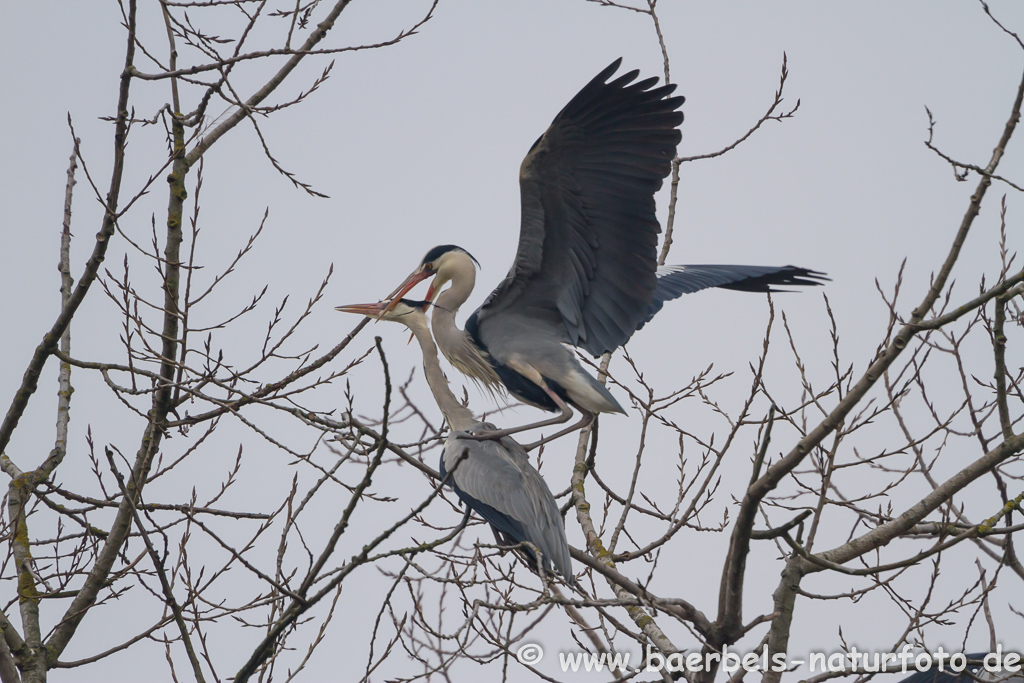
pixel 442 263
pixel 398 310
pixel 445 263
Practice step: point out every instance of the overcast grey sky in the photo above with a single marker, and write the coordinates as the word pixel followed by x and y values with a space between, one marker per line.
pixel 420 143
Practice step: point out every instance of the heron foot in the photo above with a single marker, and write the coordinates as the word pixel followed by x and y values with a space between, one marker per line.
pixel 484 434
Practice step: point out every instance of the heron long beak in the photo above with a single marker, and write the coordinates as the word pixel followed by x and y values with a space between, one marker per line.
pixel 417 277
pixel 369 310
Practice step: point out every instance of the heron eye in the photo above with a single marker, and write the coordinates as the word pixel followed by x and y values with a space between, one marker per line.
pixel 428 267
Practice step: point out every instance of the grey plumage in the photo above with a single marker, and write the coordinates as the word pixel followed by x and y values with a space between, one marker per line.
pixel 496 480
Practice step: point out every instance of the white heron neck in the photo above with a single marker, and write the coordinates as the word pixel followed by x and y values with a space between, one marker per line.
pixel 461 273
pixel 458 416
pixel 455 342
pixel 446 331
pixel 460 349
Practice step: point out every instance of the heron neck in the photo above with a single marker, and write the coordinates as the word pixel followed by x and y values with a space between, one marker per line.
pixel 458 416
pixel 442 318
pixel 463 279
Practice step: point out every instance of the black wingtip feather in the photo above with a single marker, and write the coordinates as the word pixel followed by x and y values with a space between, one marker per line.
pixel 675 281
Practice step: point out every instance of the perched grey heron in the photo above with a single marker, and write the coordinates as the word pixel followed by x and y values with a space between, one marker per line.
pixel 585 273
pixel 494 478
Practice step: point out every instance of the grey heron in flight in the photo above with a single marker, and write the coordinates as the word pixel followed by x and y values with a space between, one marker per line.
pixel 585 273
pixel 493 478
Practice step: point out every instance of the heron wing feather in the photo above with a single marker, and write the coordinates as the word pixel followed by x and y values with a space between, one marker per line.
pixel 497 480
pixel 585 265
pixel 674 281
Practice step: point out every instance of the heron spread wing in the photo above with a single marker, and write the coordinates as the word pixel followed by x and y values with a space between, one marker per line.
pixel 674 281
pixel 585 266
pixel 497 481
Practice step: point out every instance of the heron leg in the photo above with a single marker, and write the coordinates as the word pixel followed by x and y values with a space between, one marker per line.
pixel 564 416
pixel 499 538
pixel 588 417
